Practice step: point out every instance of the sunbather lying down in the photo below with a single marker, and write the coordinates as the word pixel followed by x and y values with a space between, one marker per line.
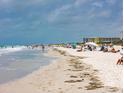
pixel 120 61
pixel 81 49
pixel 111 50
pixel 114 51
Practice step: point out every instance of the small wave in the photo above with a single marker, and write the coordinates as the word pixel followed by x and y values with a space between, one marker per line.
pixel 10 49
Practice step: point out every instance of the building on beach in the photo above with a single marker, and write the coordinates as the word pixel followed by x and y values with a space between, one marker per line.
pixel 102 39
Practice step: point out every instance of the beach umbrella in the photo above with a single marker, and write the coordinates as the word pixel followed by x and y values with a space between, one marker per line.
pixel 91 44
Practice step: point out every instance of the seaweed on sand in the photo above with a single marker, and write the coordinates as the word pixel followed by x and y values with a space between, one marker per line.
pixel 73 81
pixel 94 85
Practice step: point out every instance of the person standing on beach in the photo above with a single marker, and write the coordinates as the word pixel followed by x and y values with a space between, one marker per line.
pixel 43 48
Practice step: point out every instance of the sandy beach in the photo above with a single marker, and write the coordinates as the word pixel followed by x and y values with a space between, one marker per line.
pixel 61 46
pixel 72 72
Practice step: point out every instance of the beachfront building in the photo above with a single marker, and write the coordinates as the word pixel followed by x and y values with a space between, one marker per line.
pixel 102 39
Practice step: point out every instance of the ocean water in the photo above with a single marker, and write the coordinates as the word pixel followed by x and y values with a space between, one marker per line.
pixel 19 62
pixel 9 49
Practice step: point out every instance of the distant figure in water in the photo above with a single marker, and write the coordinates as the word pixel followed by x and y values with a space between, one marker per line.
pixel 43 48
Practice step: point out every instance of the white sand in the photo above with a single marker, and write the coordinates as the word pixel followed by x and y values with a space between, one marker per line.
pixel 51 79
pixel 110 73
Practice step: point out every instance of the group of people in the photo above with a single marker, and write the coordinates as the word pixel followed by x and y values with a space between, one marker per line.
pixel 108 48
pixel 86 47
pixel 71 46
pixel 36 46
pixel 104 48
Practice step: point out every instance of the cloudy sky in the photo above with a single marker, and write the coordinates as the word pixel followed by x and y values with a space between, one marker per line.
pixel 52 21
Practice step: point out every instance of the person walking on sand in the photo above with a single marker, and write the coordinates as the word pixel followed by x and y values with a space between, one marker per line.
pixel 43 48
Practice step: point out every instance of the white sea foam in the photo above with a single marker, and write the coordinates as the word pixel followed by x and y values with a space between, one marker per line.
pixel 7 68
pixel 10 49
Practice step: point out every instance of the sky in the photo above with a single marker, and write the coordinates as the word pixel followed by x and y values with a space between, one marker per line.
pixel 58 21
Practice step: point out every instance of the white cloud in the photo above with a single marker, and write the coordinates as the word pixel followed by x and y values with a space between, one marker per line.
pixel 54 14
pixel 106 13
pixel 34 1
pixel 80 2
pixel 97 4
pixel 62 10
pixel 6 3
pixel 9 3
pixel 111 2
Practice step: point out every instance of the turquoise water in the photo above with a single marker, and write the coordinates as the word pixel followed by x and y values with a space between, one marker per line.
pixel 19 64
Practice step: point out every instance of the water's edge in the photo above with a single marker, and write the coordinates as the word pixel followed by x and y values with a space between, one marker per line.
pixel 17 68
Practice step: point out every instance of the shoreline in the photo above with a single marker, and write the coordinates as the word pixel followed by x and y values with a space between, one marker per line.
pixel 18 64
pixel 67 74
